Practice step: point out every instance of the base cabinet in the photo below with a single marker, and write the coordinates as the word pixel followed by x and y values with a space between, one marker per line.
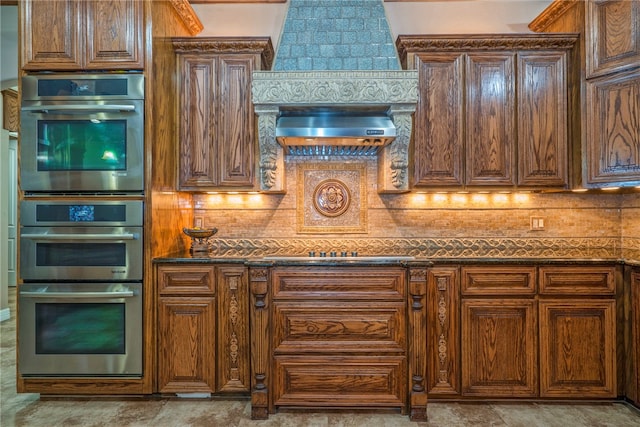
pixel 536 331
pixel 202 324
pixel 577 348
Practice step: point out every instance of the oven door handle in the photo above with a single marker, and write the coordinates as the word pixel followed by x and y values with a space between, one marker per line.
pixel 44 236
pixel 80 295
pixel 83 108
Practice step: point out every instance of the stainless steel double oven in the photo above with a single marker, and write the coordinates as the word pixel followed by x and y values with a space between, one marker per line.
pixel 80 301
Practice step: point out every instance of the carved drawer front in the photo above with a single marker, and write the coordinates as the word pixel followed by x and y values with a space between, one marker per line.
pixel 499 280
pixel 584 280
pixel 366 381
pixel 349 283
pixel 186 279
pixel 341 327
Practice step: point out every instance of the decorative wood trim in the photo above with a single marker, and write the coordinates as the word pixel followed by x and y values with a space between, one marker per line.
pixel 551 13
pixel 188 16
pixel 259 45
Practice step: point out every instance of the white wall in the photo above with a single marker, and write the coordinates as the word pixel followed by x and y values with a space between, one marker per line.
pixel 412 17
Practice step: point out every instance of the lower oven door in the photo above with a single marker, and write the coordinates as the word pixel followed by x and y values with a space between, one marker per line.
pixel 81 253
pixel 83 329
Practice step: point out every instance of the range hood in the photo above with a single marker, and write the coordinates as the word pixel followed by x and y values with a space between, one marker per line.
pixel 334 131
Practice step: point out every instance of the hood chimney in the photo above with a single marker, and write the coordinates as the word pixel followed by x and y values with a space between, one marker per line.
pixel 336 66
pixel 321 35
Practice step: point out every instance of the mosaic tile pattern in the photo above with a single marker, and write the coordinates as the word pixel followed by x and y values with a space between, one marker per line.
pixel 336 35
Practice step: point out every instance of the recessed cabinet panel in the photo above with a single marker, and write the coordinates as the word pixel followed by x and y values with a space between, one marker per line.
pixel 236 122
pixel 499 280
pixel 499 356
pixel 186 342
pixel 334 381
pixel 82 35
pixel 340 326
pixel 577 348
pixel 612 36
pixel 51 46
pixel 198 121
pixel 613 128
pixel 587 280
pixel 490 119
pixel 542 119
pixel 439 125
pixel 115 34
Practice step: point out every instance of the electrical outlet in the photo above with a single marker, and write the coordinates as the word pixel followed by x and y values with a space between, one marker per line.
pixel 198 222
pixel 537 223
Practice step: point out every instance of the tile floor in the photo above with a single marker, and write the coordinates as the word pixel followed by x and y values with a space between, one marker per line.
pixel 29 411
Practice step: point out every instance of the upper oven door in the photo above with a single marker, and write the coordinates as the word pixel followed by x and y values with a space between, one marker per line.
pixel 82 146
pixel 81 253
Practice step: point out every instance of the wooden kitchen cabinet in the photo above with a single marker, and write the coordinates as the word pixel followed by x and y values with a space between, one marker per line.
pixel 577 332
pixel 612 36
pixel 338 337
pixel 613 128
pixel 71 35
pixel 217 139
pixel 493 110
pixel 498 331
pixel 203 335
pixel 610 58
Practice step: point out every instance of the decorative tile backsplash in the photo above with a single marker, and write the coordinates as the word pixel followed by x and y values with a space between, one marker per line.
pixel 331 198
pixel 431 225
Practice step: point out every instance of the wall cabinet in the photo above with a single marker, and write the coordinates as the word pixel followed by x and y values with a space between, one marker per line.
pixel 82 35
pixel 492 111
pixel 633 385
pixel 203 336
pixel 217 139
pixel 610 56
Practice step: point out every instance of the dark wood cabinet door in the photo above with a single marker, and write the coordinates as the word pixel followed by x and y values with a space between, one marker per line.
pixel 499 351
pixel 577 348
pixel 613 128
pixel 115 34
pixel 82 35
pixel 490 112
pixel 612 36
pixel 236 136
pixel 186 345
pixel 197 116
pixel 52 35
pixel 439 123
pixel 542 119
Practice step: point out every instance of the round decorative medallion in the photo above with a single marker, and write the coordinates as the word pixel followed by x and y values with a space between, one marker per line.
pixel 331 198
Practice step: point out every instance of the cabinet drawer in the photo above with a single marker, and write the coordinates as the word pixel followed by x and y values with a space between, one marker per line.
pixel 499 280
pixel 339 327
pixel 370 283
pixel 366 381
pixel 186 280
pixel 584 280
